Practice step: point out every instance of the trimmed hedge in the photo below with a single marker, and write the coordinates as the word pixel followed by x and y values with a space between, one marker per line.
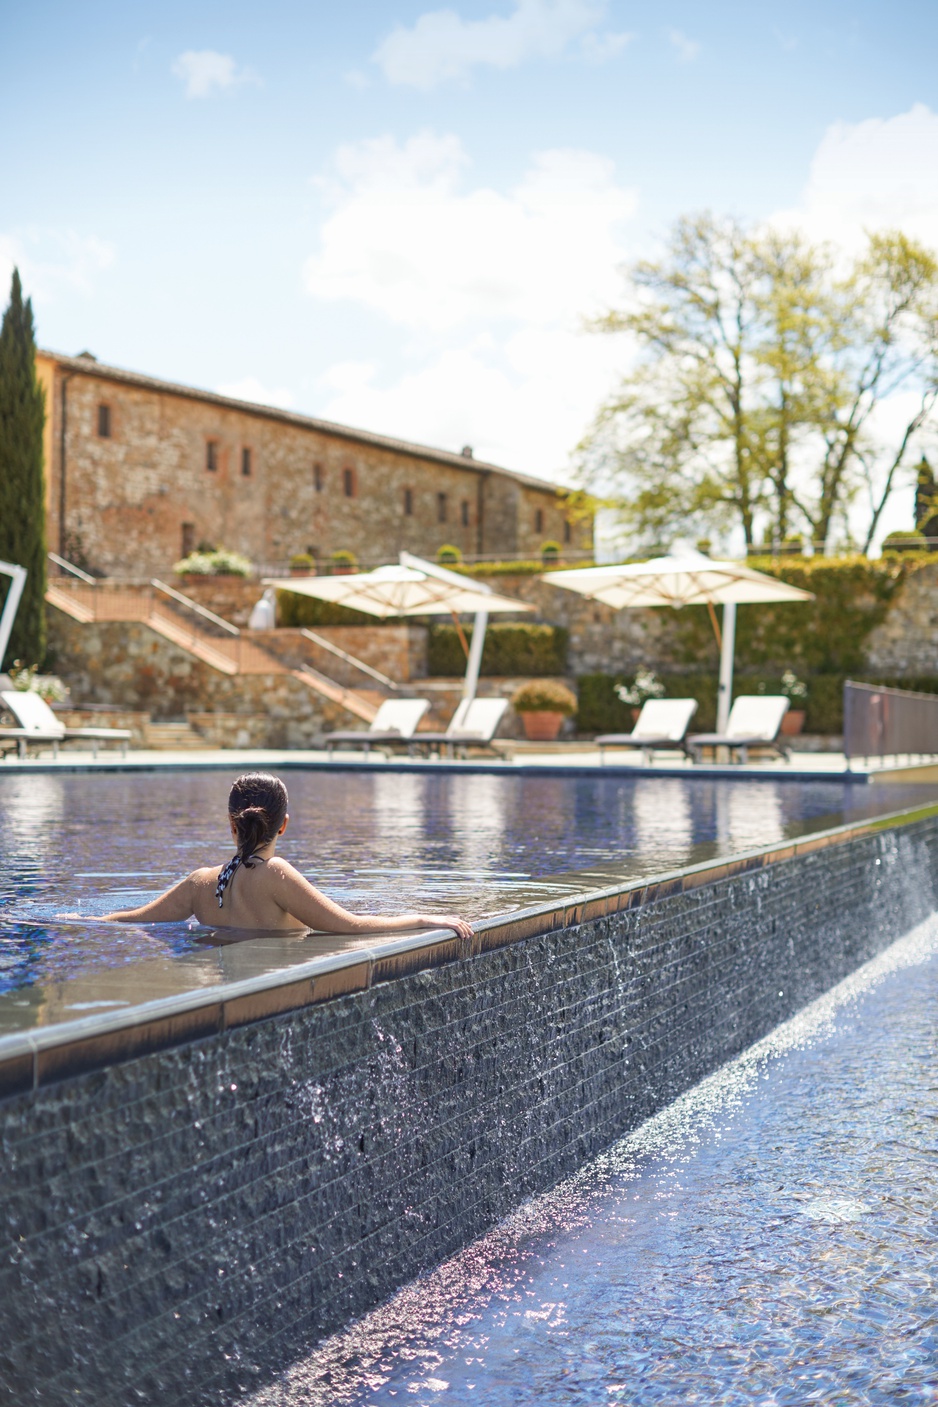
pixel 824 636
pixel 296 610
pixel 510 649
pixel 601 710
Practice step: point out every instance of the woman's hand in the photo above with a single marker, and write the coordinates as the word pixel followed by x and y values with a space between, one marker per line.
pixel 460 927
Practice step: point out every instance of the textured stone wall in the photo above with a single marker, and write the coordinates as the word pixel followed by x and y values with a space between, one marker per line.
pixel 179 1225
pixel 132 667
pixel 129 495
pixel 907 640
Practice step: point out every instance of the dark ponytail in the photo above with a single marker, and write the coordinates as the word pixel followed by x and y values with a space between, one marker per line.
pixel 257 804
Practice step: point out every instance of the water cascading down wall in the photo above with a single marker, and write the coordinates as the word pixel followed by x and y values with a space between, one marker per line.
pixel 191 1197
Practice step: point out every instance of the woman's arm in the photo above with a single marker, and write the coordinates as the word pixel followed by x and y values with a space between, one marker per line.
pixel 171 907
pixel 306 903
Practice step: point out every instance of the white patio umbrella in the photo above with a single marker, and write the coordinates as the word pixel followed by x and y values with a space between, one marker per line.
pixel 411 588
pixel 690 579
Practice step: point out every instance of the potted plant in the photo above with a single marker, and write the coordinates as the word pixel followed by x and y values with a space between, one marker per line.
pixel 796 691
pixel 448 555
pixel 550 553
pixel 302 564
pixel 543 705
pixel 343 562
pixel 645 685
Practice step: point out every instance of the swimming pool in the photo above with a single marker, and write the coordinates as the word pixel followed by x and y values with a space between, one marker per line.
pixel 768 1238
pixel 479 845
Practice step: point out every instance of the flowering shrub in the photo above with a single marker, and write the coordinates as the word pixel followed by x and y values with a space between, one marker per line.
pixel 217 563
pixel 645 685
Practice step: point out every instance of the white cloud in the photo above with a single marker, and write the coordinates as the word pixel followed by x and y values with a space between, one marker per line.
pixel 53 261
pixel 686 49
pixel 492 285
pixel 409 240
pixel 443 46
pixel 205 71
pixel 880 173
pixel 250 389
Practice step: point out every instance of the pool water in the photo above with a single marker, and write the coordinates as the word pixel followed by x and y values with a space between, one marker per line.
pixel 478 845
pixel 768 1239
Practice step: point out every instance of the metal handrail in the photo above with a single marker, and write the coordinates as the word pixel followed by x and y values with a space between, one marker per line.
pixel 325 644
pixel 194 606
pixel 70 567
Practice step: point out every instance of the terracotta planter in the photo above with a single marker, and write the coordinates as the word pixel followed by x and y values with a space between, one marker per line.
pixel 542 727
pixel 301 571
pixel 793 722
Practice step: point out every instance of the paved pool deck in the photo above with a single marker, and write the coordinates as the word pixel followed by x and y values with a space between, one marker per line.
pixel 550 760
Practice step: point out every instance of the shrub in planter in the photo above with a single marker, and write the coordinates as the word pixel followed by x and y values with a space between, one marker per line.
pixel 543 705
pixel 302 564
pixel 217 563
pixel 343 562
pixel 448 555
pixel 550 553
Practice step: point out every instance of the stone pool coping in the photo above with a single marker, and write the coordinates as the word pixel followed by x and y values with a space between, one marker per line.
pixel 44 1055
pixel 573 764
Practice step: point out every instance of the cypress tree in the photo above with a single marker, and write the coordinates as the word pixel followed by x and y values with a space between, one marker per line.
pixel 22 490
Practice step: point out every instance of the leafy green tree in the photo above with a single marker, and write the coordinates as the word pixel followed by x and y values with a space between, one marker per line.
pixel 758 370
pixel 22 492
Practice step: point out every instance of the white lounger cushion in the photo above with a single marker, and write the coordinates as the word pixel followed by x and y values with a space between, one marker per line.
pixel 399 715
pixel 757 716
pixel 32 713
pixel 664 718
pixel 480 720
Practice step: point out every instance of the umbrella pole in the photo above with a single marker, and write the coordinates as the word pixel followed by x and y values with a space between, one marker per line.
pixel 475 655
pixel 727 646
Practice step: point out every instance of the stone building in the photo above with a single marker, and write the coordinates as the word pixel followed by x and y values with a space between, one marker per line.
pixel 140 472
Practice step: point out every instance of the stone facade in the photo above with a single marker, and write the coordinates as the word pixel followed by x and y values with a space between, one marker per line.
pixel 140 471
pixel 906 643
pixel 181 1225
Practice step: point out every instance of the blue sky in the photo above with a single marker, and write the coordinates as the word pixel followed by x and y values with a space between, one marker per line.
pixel 395 215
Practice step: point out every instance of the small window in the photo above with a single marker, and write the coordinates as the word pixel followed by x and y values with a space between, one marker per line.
pixel 211 455
pixel 246 462
pixel 348 482
pixel 441 507
pixel 538 520
pixel 188 538
pixel 318 478
pixel 567 532
pixel 104 422
pixel 464 512
pixel 408 503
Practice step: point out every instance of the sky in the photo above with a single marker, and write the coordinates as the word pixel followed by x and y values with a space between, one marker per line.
pixel 400 216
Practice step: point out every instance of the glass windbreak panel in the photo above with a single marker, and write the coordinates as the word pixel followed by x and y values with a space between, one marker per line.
pixel 73 847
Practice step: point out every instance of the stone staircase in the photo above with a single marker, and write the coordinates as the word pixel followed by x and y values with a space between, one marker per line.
pixel 172 736
pixel 199 632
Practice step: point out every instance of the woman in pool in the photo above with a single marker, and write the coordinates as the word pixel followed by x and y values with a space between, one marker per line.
pixel 258 890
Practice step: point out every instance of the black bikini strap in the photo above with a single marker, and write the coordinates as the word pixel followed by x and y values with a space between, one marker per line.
pixel 224 878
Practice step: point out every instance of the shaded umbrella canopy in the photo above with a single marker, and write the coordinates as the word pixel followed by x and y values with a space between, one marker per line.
pixel 400 591
pixel 688 580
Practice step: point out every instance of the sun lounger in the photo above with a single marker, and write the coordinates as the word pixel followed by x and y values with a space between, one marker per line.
pixel 395 722
pixel 38 724
pixel 755 721
pixel 473 724
pixel 660 727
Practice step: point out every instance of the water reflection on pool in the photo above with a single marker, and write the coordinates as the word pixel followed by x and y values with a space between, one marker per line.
pixel 479 844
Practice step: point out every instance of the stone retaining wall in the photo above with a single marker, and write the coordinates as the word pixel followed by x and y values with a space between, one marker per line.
pixel 179 1225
